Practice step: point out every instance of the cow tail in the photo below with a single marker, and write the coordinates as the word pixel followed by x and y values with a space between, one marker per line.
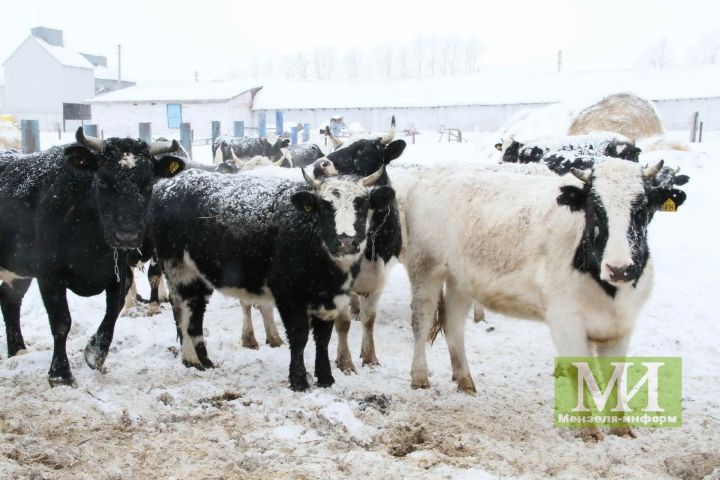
pixel 440 319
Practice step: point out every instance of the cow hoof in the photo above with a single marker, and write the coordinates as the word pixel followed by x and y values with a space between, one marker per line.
pixel 345 365
pixel 325 381
pixel 207 363
pixel 153 309
pixel 299 385
pixel 371 361
pixel 590 434
pixel 250 342
pixel 418 384
pixel 62 380
pixel 466 385
pixel 95 356
pixel 274 342
pixel 624 432
pixel 19 352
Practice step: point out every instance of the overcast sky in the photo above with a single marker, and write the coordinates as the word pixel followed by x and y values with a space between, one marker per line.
pixel 170 39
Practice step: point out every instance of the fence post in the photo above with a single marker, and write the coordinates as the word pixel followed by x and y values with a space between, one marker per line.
pixel 186 137
pixel 262 125
pixel 693 130
pixel 239 129
pixel 279 124
pixel 293 135
pixel 306 132
pixel 215 130
pixel 700 136
pixel 30 132
pixel 145 131
pixel 91 129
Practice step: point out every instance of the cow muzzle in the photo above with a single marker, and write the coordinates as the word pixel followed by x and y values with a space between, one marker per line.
pixel 347 245
pixel 127 239
pixel 625 273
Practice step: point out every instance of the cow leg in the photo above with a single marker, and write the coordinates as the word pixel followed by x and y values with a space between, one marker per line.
pixel 478 313
pixel 617 349
pixel 272 337
pixel 156 283
pixel 355 304
pixel 297 329
pixel 322 331
pixel 425 293
pixel 342 326
pixel 11 296
pixel 457 305
pixel 58 312
pixel 98 346
pixel 189 303
pixel 368 312
pixel 131 295
pixel 248 333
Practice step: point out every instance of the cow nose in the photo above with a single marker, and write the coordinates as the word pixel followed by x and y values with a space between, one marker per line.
pixel 325 163
pixel 127 237
pixel 624 273
pixel 348 244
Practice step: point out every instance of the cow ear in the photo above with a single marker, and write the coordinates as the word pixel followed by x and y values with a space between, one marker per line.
pixel 284 142
pixel 666 199
pixel 572 197
pixel 381 197
pixel 169 166
pixel 680 180
pixel 394 150
pixel 80 157
pixel 304 201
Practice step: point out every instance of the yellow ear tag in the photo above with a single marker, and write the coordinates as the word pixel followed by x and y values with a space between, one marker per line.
pixel 668 206
pixel 173 167
pixel 308 208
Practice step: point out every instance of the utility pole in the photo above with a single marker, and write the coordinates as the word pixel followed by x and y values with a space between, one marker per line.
pixel 196 75
pixel 119 66
pixel 559 60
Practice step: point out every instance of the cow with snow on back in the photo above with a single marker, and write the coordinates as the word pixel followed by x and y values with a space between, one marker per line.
pixel 571 251
pixel 248 147
pixel 266 241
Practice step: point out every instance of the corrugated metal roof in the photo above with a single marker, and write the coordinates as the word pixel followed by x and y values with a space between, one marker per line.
pixel 179 92
pixel 66 56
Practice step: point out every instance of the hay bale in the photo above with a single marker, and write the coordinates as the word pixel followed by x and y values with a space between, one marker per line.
pixel 9 136
pixel 623 113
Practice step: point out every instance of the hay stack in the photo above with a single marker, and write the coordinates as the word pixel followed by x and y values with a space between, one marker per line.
pixel 623 113
pixel 9 136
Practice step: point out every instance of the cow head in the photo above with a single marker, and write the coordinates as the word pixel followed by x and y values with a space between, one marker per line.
pixel 509 149
pixel 342 206
pixel 622 149
pixel 273 147
pixel 619 200
pixel 124 171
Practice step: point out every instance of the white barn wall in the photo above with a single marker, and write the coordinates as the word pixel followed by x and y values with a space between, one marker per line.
pixel 678 114
pixel 122 118
pixel 36 85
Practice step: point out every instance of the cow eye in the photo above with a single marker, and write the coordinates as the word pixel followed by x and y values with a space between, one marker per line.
pixel 336 193
pixel 103 183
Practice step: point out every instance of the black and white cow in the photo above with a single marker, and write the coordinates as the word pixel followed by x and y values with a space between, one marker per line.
pixel 248 147
pixel 266 241
pixel 385 139
pixel 303 155
pixel 570 250
pixel 69 216
pixel 516 152
pixel 363 157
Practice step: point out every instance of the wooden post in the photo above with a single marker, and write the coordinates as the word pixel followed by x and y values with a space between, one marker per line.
pixel 279 130
pixel 306 132
pixel 186 137
pixel 215 127
pixel 293 135
pixel 459 136
pixel 413 134
pixel 30 132
pixel 700 133
pixel 693 131
pixel 91 129
pixel 262 125
pixel 145 129
pixel 239 129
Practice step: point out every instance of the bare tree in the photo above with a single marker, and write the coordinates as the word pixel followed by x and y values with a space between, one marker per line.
pixel 659 54
pixel 302 65
pixel 352 62
pixel 418 54
pixel 707 47
pixel 323 61
pixel 384 58
pixel 403 61
pixel 473 52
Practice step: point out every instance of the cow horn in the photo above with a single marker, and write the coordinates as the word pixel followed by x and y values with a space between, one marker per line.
pixel 373 178
pixel 280 161
pixel 158 148
pixel 235 157
pixel 388 137
pixel 582 175
pixel 311 181
pixel 649 172
pixel 218 156
pixel 677 170
pixel 93 143
pixel 337 143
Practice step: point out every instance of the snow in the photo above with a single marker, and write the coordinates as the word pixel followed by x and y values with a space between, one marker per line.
pixel 179 91
pixel 490 88
pixel 150 417
pixel 66 56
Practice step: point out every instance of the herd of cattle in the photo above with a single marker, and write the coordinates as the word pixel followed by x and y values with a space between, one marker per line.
pixel 567 245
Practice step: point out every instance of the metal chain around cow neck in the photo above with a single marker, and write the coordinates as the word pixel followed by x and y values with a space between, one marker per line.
pixel 373 233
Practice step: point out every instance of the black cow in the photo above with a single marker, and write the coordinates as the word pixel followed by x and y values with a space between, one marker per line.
pixel 69 216
pixel 265 240
pixel 516 152
pixel 363 157
pixel 303 155
pixel 248 147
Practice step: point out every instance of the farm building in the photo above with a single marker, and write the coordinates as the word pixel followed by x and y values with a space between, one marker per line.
pixel 166 105
pixel 42 74
pixel 469 102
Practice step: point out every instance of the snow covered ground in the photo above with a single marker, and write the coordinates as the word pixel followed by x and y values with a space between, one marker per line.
pixel 150 417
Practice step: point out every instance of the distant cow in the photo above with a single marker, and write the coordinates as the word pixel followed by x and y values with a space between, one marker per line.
pixel 248 147
pixel 385 139
pixel 516 152
pixel 268 241
pixel 69 216
pixel 302 155
pixel 570 250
